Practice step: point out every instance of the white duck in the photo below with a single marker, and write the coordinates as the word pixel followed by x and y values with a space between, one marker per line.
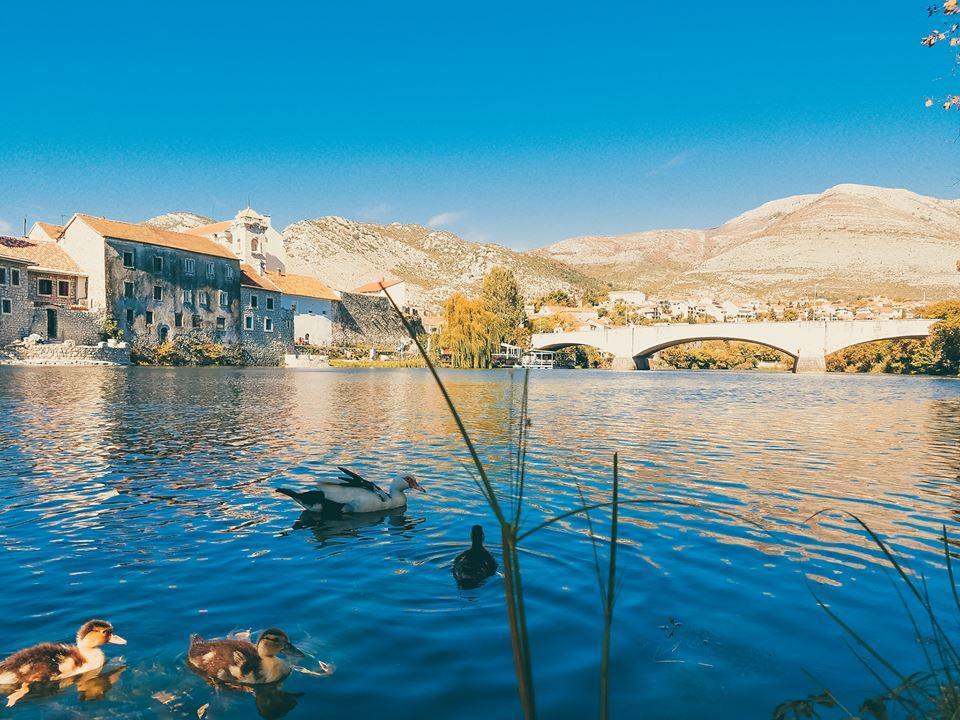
pixel 351 493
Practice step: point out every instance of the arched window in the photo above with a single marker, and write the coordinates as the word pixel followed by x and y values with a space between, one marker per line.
pixel 254 245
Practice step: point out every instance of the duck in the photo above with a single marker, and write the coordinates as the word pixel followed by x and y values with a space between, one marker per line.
pixel 473 566
pixel 239 661
pixel 350 493
pixel 53 662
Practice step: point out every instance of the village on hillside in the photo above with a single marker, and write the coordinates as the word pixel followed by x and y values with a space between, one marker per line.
pixel 94 289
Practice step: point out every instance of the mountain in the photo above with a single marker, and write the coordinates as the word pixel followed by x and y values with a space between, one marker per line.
pixel 435 263
pixel 178 221
pixel 850 240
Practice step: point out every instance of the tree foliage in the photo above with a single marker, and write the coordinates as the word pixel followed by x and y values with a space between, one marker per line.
pixel 721 355
pixel 469 332
pixel 501 297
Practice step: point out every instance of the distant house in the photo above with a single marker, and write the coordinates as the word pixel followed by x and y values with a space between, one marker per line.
pixel 261 304
pixel 311 303
pixel 53 284
pixel 44 232
pixel 396 289
pixel 251 237
pixel 156 282
pixel 432 323
pixel 16 311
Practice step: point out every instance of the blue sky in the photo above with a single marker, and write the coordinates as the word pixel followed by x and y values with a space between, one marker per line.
pixel 516 123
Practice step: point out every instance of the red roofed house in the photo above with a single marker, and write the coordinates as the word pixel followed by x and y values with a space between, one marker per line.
pixel 396 289
pixel 265 322
pixel 311 303
pixel 156 282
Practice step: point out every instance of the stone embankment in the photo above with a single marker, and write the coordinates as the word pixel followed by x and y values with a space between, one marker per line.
pixel 65 353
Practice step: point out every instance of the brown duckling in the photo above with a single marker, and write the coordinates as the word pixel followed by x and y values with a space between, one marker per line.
pixel 240 661
pixel 52 662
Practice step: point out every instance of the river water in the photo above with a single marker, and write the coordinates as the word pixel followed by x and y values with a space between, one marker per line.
pixel 146 496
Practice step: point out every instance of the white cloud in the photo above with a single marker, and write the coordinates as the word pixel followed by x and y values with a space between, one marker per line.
pixel 445 218
pixel 5 227
pixel 375 213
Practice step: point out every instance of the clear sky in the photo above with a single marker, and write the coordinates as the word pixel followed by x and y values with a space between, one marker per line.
pixel 517 123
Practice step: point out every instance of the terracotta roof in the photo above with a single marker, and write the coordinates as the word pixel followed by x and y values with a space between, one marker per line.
pixel 303 285
pixel 155 236
pixel 374 287
pixel 251 278
pixel 45 254
pixel 212 228
pixel 52 230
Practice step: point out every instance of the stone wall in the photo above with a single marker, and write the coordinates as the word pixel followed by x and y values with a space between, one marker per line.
pixel 15 324
pixel 367 320
pixel 83 327
pixel 65 353
pixel 265 354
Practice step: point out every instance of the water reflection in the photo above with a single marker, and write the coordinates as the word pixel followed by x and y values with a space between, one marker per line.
pixel 90 686
pixel 271 700
pixel 328 528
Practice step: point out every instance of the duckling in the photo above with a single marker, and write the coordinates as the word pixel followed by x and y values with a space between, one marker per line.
pixel 240 661
pixel 51 662
pixel 473 566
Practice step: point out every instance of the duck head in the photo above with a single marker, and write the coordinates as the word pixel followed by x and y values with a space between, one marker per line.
pixel 275 642
pixel 407 482
pixel 95 633
pixel 476 536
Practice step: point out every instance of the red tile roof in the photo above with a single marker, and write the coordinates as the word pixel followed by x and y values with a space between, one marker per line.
pixel 303 285
pixel 249 277
pixel 155 236
pixel 52 230
pixel 44 254
pixel 375 286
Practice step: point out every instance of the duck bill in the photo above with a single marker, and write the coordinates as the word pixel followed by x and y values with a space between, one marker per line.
pixel 116 640
pixel 293 650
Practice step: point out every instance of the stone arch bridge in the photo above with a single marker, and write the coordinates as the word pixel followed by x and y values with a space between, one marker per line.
pixel 807 342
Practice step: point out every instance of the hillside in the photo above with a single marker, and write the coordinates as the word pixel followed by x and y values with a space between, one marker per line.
pixel 849 240
pixel 178 221
pixel 435 263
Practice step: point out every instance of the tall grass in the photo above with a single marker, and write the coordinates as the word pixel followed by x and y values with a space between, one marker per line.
pixel 930 693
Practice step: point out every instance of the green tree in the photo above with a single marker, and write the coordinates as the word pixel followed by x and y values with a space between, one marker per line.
pixel 469 332
pixel 555 297
pixel 501 297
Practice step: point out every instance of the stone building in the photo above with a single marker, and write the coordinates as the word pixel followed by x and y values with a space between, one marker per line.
pixel 267 329
pixel 312 305
pixel 250 237
pixel 156 283
pixel 16 311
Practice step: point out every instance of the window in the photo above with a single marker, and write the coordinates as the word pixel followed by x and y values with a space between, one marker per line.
pixel 3 276
pixel 254 245
pixel 158 292
pixel 269 303
pixel 224 299
pixel 15 276
pixel 5 307
pixel 293 307
pixel 196 321
pixel 254 300
pixel 248 322
pixel 128 258
pixel 63 288
pixel 229 272
pixel 188 297
pixel 267 325
pixel 148 316
pixel 129 316
pixel 221 323
pixel 210 270
pixel 128 289
pixel 157 263
pixel 189 266
pixel 178 319
pixel 204 298
pixel 45 287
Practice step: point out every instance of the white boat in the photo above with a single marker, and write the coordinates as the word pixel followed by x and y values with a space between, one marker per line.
pixel 537 360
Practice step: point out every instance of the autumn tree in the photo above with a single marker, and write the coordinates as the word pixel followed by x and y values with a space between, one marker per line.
pixel 501 297
pixel 469 332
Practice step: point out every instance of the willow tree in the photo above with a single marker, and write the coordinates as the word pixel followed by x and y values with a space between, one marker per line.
pixel 501 297
pixel 469 332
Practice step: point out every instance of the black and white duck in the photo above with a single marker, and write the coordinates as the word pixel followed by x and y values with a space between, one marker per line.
pixel 53 662
pixel 351 493
pixel 235 660
pixel 473 566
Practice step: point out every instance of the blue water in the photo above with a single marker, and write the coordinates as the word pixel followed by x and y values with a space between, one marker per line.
pixel 146 496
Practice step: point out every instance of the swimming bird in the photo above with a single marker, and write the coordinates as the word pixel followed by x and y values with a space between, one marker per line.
pixel 240 661
pixel 351 493
pixel 473 566
pixel 51 662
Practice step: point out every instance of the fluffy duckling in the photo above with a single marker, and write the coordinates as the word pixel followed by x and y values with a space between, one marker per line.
pixel 240 661
pixel 51 662
pixel 473 566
